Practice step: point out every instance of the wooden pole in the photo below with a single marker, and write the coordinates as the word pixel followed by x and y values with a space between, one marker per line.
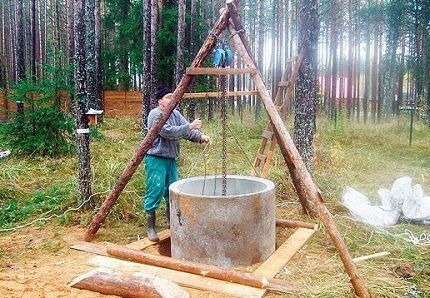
pixel 247 279
pixel 154 131
pixel 288 223
pixel 305 187
pixel 109 282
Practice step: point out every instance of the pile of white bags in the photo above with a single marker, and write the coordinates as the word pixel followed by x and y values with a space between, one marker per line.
pixel 401 202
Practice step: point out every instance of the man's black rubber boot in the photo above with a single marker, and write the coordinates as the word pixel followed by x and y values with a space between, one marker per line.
pixel 168 215
pixel 150 224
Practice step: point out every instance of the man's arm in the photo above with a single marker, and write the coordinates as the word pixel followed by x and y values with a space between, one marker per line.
pixel 168 131
pixel 194 135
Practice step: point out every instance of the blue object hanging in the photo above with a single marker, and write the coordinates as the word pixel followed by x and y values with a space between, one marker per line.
pixel 219 57
pixel 223 55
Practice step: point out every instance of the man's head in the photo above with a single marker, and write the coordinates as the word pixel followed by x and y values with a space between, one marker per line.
pixel 164 96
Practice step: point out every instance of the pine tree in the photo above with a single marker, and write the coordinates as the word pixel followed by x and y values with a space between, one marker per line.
pixel 82 128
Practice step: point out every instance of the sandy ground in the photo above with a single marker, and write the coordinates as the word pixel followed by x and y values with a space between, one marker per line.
pixel 39 263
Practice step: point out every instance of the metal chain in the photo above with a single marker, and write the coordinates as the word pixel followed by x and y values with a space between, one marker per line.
pixel 223 85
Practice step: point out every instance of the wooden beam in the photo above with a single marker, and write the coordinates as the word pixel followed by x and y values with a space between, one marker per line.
pixel 145 242
pixel 126 284
pixel 146 144
pixel 288 223
pixel 219 71
pixel 284 253
pixel 302 180
pixel 182 278
pixel 204 95
pixel 225 274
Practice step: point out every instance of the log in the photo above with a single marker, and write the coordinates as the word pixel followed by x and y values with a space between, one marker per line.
pixel 225 274
pixel 372 256
pixel 183 279
pixel 305 187
pixel 109 282
pixel 219 71
pixel 146 144
pixel 288 223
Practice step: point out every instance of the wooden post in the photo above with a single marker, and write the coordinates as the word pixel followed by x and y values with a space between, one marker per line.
pixel 225 274
pixel 288 223
pixel 109 282
pixel 154 131
pixel 305 187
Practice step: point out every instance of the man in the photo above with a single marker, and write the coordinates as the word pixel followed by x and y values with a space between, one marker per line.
pixel 160 161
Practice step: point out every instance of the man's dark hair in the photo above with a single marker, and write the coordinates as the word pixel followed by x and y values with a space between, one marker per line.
pixel 161 91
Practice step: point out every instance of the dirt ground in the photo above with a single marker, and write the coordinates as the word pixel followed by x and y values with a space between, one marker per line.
pixel 39 263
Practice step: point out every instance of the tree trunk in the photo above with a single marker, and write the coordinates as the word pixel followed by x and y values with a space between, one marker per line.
pixel 82 128
pixel 192 51
pixel 71 50
pixel 350 59
pixel 180 45
pixel 124 50
pixel 375 72
pixel 20 51
pixel 306 85
pixel 260 50
pixel 154 28
pixel 366 75
pixel 147 75
pixel 33 39
pixel 98 52
pixel 399 101
pixel 333 50
pixel 90 55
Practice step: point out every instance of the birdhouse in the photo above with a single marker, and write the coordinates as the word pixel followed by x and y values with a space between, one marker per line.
pixel 93 115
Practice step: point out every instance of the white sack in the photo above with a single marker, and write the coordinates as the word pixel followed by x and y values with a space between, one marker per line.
pixel 402 200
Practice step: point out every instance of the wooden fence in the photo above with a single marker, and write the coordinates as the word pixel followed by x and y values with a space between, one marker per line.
pixel 122 103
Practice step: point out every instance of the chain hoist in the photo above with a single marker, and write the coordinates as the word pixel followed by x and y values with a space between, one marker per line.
pixel 223 86
pixel 223 56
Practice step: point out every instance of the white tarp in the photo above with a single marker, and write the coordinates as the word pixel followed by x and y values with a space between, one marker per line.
pixel 403 201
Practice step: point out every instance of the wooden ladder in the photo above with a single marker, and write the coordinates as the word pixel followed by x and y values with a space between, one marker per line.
pixel 268 139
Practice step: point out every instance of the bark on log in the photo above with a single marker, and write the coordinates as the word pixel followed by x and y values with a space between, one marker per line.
pixel 288 223
pixel 302 180
pixel 247 279
pixel 137 285
pixel 155 130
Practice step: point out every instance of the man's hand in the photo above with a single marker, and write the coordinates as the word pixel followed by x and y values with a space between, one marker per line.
pixel 196 124
pixel 205 139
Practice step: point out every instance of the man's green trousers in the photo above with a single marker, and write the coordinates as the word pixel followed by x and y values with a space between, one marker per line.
pixel 160 173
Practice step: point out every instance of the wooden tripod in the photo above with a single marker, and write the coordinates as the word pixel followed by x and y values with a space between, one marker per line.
pixel 307 191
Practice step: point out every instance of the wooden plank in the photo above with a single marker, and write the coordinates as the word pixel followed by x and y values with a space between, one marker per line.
pixel 145 242
pixel 182 278
pixel 95 248
pixel 204 95
pixel 219 71
pixel 284 253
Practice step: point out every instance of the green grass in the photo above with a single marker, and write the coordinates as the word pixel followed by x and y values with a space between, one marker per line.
pixel 365 157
